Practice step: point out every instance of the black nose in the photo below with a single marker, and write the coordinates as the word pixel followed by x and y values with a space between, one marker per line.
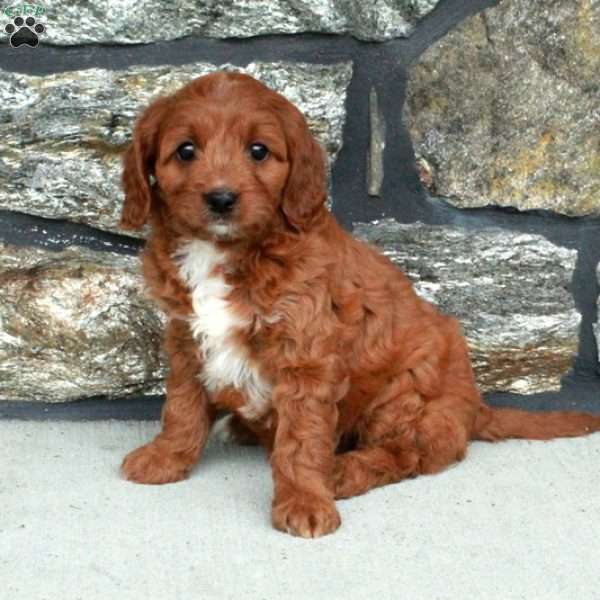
pixel 221 200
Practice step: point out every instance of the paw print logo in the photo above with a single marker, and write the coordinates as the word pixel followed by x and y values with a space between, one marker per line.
pixel 24 32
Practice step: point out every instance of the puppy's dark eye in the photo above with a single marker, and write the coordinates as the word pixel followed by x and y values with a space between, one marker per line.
pixel 259 152
pixel 186 151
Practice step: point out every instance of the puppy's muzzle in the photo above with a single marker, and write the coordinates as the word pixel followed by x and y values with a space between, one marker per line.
pixel 221 201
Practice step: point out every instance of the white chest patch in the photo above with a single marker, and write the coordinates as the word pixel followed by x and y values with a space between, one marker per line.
pixel 214 324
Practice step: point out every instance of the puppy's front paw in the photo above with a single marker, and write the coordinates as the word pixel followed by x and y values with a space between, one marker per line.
pixel 153 464
pixel 306 516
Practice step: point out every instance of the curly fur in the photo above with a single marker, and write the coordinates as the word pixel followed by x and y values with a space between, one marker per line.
pixel 317 345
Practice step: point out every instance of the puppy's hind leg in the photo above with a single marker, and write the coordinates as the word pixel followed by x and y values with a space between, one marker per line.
pixel 358 471
pixel 401 437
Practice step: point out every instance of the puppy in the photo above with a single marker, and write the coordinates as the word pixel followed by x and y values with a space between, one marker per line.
pixel 317 345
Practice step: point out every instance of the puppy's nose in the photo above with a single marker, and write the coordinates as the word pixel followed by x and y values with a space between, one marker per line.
pixel 220 200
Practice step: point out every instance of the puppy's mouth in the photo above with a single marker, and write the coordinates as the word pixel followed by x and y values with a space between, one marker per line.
pixel 222 228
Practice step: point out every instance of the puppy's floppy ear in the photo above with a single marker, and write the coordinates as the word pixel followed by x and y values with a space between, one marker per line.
pixel 138 165
pixel 305 190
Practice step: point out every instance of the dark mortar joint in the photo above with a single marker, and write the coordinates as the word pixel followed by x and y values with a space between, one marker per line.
pixel 53 234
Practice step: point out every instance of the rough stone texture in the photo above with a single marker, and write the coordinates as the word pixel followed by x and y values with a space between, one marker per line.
pixel 74 324
pixel 505 109
pixel 126 22
pixel 509 290
pixel 61 136
pixel 376 146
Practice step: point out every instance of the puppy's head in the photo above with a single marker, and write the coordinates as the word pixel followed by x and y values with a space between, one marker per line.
pixel 228 157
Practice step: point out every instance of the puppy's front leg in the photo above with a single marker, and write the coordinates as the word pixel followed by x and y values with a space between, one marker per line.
pixel 302 462
pixel 187 417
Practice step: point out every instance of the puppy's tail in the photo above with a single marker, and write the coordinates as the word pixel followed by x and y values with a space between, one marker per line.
pixel 494 424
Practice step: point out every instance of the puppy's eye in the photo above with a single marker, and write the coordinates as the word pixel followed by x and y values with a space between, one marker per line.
pixel 186 151
pixel 259 152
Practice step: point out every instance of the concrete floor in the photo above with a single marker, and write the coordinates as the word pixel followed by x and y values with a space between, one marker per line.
pixel 514 520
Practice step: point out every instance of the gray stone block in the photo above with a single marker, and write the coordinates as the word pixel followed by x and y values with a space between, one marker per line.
pixel 509 290
pixel 62 135
pixel 75 324
pixel 504 110
pixel 376 146
pixel 115 21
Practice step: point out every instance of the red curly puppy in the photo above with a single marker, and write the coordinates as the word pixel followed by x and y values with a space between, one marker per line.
pixel 317 344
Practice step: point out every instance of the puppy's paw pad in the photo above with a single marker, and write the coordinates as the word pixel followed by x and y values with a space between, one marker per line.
pixel 151 464
pixel 306 516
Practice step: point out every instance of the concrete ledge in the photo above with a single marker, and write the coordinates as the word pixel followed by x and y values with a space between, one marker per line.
pixel 515 520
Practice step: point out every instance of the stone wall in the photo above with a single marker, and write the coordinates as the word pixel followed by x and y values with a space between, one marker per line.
pixel 463 140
